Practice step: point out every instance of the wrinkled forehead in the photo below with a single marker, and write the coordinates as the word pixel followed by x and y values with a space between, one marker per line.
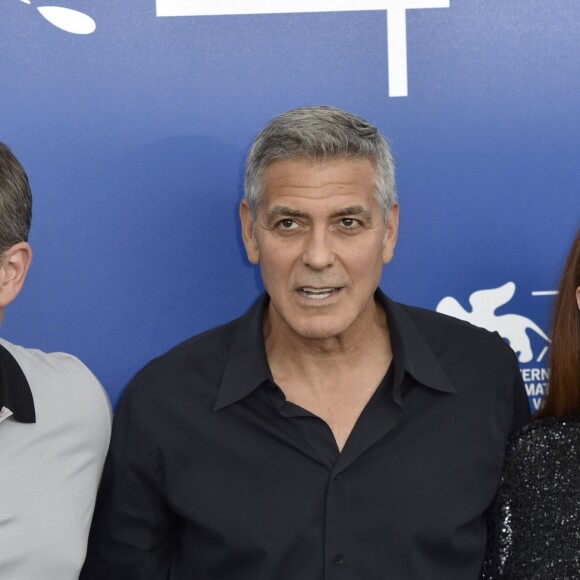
pixel 314 188
pixel 318 162
pixel 314 173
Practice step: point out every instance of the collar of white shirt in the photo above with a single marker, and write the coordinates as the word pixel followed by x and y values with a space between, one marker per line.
pixel 5 413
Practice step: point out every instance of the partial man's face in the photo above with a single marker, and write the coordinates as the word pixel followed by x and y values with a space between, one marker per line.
pixel 321 242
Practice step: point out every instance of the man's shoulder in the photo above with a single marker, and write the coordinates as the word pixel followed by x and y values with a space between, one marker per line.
pixel 52 366
pixel 212 344
pixel 216 340
pixel 60 377
pixel 424 316
pixel 439 327
pixel 202 356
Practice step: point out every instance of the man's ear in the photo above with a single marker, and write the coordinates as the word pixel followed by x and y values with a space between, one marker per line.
pixel 250 243
pixel 14 264
pixel 391 235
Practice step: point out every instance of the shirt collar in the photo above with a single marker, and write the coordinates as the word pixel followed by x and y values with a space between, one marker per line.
pixel 411 352
pixel 15 393
pixel 247 364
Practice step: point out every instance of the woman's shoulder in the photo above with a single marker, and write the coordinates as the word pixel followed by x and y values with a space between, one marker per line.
pixel 545 427
pixel 543 437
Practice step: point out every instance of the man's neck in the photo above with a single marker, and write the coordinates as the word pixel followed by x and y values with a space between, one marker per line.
pixel 320 364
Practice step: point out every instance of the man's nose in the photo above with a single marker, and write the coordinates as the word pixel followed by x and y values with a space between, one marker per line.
pixel 318 252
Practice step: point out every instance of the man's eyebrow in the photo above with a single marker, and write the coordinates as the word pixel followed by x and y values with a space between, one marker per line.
pixel 357 210
pixel 283 211
pixel 289 212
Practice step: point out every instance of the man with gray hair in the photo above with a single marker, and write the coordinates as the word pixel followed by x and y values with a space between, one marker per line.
pixel 55 422
pixel 329 433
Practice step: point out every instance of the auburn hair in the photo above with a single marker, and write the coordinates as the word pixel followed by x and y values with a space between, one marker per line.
pixel 563 396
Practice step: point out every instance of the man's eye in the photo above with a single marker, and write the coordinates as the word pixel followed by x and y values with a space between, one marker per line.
pixel 287 224
pixel 349 222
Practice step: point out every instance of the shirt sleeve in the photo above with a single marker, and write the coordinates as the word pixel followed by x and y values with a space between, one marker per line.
pixel 498 563
pixel 133 530
pixel 521 407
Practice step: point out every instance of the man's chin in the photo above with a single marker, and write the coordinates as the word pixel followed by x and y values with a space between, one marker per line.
pixel 321 330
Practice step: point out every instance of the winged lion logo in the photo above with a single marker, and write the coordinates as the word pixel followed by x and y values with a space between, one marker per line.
pixel 512 327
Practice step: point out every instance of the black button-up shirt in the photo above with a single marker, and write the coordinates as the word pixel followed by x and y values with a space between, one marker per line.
pixel 213 475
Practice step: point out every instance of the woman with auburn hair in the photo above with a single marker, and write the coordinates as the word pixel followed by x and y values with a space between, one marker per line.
pixel 534 523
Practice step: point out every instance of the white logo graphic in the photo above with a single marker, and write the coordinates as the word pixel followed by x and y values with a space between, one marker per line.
pixel 67 19
pixel 396 20
pixel 512 327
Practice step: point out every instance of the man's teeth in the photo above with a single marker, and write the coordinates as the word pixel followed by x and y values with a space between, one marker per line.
pixel 318 293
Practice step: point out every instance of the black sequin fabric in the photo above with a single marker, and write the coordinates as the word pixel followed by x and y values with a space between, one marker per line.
pixel 534 524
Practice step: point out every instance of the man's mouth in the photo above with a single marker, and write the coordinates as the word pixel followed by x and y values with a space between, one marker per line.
pixel 317 293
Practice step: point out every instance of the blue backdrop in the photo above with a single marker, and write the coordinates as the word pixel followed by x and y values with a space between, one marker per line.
pixel 134 126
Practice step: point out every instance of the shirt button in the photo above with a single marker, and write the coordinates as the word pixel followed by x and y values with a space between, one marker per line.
pixel 338 559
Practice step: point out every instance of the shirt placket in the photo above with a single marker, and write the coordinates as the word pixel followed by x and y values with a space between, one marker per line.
pixel 338 554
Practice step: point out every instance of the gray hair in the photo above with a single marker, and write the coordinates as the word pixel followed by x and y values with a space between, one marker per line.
pixel 320 133
pixel 15 201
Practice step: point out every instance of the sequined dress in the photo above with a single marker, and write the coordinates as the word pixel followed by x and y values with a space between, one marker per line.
pixel 534 524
